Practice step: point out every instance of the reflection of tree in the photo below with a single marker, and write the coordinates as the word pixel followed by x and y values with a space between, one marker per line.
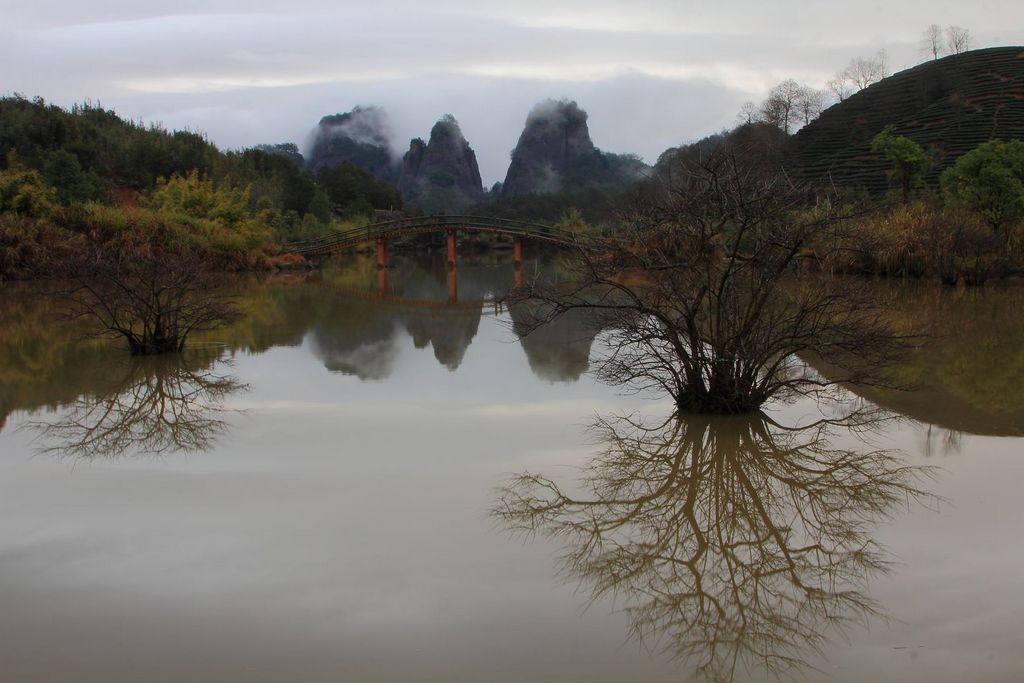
pixel 158 405
pixel 730 541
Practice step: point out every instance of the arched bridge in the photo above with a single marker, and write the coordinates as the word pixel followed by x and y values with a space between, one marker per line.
pixel 382 232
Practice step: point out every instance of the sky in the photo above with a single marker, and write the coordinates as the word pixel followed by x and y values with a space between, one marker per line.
pixel 651 73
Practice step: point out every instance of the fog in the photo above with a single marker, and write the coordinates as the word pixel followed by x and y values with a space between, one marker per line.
pixel 650 74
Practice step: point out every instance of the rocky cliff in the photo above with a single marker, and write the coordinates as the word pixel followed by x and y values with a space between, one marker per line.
pixel 555 153
pixel 361 137
pixel 441 174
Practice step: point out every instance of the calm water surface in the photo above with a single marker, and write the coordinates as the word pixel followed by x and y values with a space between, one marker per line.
pixel 308 495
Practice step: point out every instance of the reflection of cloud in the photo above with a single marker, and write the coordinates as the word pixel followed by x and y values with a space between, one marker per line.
pixel 369 353
pixel 372 360
pixel 553 409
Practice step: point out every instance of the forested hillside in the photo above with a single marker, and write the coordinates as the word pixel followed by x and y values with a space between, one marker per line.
pixel 948 106
pixel 91 154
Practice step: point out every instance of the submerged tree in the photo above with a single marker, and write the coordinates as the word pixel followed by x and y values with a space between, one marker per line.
pixel 701 298
pixel 148 289
pixel 730 542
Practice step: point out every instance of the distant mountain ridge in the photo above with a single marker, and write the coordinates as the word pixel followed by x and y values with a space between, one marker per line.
pixel 948 106
pixel 361 137
pixel 441 174
pixel 555 153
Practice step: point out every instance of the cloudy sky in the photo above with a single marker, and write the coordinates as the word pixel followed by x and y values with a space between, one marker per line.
pixel 651 73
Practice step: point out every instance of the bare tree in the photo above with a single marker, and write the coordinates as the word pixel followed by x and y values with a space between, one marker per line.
pixel 727 542
pixel 699 296
pixel 781 107
pixel 158 405
pixel 932 41
pixel 840 86
pixel 148 291
pixel 749 113
pixel 862 72
pixel 958 40
pixel 810 103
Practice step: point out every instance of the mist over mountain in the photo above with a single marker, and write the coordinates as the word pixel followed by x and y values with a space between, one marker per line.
pixel 288 150
pixel 555 153
pixel 441 174
pixel 361 137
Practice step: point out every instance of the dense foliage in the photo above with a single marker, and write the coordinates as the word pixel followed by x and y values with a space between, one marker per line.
pixel 907 158
pixel 89 154
pixel 989 181
pixel 948 106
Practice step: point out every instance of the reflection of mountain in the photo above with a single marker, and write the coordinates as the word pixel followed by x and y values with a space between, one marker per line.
pixel 358 335
pixel 558 351
pixel 450 335
pixel 370 353
pixel 968 374
pixel 367 353
pixel 730 543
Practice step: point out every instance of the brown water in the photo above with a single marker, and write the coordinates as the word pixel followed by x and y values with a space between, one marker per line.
pixel 309 495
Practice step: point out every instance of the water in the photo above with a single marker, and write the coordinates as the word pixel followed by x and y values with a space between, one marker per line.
pixel 313 499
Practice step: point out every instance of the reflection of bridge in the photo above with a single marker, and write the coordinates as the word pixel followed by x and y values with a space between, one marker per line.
pixel 382 232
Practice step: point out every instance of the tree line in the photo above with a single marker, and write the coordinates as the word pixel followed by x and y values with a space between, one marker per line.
pixel 790 105
pixel 89 154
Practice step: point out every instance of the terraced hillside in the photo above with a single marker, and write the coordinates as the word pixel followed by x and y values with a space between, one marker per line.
pixel 949 106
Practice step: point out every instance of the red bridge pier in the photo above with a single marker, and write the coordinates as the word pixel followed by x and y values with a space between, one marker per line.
pixel 517 256
pixel 451 248
pixel 453 286
pixel 382 252
pixel 383 284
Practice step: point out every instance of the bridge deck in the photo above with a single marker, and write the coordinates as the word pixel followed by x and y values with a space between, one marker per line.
pixel 402 227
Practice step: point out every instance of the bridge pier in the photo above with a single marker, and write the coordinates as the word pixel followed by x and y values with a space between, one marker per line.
pixel 453 286
pixel 517 256
pixel 383 283
pixel 451 248
pixel 382 252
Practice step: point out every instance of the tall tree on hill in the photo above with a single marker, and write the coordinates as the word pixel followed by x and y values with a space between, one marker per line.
pixel 789 106
pixel 958 40
pixel 932 41
pixel 810 103
pixel 862 72
pixel 748 113
pixel 839 87
pixel 782 106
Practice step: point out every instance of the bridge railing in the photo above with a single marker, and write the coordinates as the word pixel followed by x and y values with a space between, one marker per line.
pixel 373 231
